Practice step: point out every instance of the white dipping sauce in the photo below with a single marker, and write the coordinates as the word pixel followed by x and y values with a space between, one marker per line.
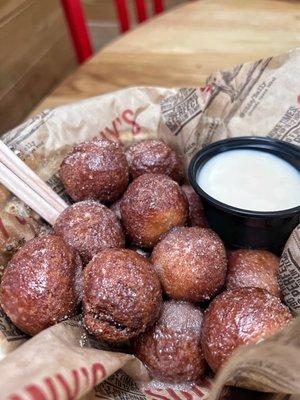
pixel 252 180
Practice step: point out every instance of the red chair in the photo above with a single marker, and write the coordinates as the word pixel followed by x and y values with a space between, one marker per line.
pixel 78 28
pixel 141 11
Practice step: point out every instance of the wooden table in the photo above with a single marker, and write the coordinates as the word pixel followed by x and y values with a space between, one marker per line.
pixel 184 46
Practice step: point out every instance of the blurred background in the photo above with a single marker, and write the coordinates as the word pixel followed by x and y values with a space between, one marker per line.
pixel 45 46
pixel 103 21
pixel 36 50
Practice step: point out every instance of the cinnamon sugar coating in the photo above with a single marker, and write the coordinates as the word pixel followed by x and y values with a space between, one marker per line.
pixel 122 295
pixel 152 204
pixel 42 284
pixel 116 208
pixel 237 317
pixel 253 268
pixel 196 212
pixel 154 156
pixel 96 169
pixel 171 349
pixel 191 263
pixel 89 227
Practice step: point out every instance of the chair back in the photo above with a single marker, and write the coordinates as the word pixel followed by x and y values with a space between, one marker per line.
pixel 78 28
pixel 140 11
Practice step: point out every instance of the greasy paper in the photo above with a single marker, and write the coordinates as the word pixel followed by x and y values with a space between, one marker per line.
pixel 63 362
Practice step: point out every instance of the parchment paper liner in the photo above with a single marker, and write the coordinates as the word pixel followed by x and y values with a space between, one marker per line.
pixel 260 98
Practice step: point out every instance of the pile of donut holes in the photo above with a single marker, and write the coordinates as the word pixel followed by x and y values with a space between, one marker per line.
pixel 136 253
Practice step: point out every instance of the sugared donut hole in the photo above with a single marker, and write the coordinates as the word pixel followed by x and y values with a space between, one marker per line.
pixel 171 349
pixel 238 317
pixel 47 275
pixel 152 205
pixel 89 227
pixel 122 295
pixel 96 170
pixel 191 263
pixel 154 156
pixel 253 268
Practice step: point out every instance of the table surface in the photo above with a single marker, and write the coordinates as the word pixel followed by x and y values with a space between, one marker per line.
pixel 183 46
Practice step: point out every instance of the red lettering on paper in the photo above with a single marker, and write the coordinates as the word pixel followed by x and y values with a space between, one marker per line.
pixel 126 116
pixel 71 394
pixel 173 394
pixel 93 375
pixel 35 392
pixel 98 367
pixel 198 391
pixel 85 373
pixel 51 387
pixel 156 395
pixel 187 395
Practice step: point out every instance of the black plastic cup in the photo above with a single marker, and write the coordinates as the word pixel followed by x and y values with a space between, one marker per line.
pixel 241 228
